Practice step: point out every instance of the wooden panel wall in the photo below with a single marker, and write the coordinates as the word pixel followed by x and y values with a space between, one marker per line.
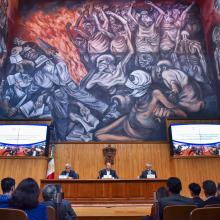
pixel 87 160
pixel 130 160
pixel 22 168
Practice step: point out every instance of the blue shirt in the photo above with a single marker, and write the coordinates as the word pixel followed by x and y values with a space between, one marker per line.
pixel 38 213
pixel 4 200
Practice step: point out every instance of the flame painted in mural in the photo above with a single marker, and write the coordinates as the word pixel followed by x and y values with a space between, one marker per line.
pixel 108 71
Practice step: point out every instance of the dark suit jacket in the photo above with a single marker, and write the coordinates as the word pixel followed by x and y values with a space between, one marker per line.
pixel 211 201
pixel 146 172
pixel 72 174
pixel 66 211
pixel 104 172
pixel 198 201
pixel 173 200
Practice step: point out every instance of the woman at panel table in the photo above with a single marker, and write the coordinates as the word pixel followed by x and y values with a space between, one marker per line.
pixel 148 173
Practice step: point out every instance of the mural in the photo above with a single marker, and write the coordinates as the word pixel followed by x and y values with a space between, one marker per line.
pixel 3 33
pixel 108 71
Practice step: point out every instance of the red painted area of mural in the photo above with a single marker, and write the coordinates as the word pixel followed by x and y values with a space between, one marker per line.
pixel 51 28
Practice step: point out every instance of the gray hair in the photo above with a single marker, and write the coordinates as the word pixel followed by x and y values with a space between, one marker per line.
pixel 49 192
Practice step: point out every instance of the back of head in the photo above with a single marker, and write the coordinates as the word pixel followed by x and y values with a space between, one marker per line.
pixel 7 185
pixel 174 185
pixel 209 188
pixel 25 195
pixel 162 192
pixel 195 189
pixel 49 192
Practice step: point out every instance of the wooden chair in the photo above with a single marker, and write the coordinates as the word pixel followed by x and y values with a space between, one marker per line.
pixel 180 212
pixel 209 213
pixel 51 213
pixel 212 205
pixel 12 214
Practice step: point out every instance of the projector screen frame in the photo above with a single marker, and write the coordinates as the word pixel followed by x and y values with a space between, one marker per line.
pixel 47 122
pixel 170 121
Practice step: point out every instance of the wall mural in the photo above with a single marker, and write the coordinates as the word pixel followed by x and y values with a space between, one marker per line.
pixel 3 33
pixel 108 71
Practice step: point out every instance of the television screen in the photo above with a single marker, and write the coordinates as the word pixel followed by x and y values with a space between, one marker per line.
pixel 23 140
pixel 195 139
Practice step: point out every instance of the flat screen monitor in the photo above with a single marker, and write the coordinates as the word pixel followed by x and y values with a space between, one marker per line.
pixel 195 139
pixel 24 140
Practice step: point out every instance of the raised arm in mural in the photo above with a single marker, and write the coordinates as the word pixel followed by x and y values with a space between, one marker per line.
pixel 182 22
pixel 171 27
pixel 102 28
pixel 79 30
pixel 161 12
pixel 123 21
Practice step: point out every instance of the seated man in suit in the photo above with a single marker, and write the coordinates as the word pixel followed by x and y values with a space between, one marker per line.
pixel 195 190
pixel 71 174
pixel 210 190
pixel 148 173
pixel 107 172
pixel 174 186
pixel 65 210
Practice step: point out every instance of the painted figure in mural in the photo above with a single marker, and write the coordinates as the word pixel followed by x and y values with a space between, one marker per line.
pixel 192 59
pixel 97 42
pixel 216 41
pixel 147 39
pixel 171 26
pixel 86 124
pixel 183 91
pixel 143 121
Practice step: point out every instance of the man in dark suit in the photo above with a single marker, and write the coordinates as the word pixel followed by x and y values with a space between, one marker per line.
pixel 107 172
pixel 71 174
pixel 63 208
pixel 210 190
pixel 195 190
pixel 148 172
pixel 174 186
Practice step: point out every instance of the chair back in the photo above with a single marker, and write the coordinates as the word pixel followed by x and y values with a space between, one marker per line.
pixel 212 205
pixel 12 214
pixel 180 212
pixel 209 213
pixel 51 212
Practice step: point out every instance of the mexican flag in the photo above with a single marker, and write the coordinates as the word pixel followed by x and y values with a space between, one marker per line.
pixel 51 164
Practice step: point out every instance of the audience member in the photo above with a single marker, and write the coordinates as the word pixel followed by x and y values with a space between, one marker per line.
pixel 107 172
pixel 65 211
pixel 174 188
pixel 148 173
pixel 69 173
pixel 195 190
pixel 8 186
pixel 25 197
pixel 218 190
pixel 210 190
